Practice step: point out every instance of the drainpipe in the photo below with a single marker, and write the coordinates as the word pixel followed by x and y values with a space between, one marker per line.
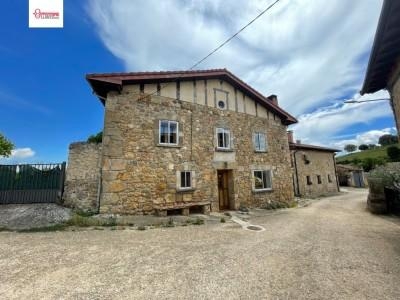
pixel 336 175
pixel 297 175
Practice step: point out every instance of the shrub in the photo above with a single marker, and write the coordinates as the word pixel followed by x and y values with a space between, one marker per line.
pixel 96 138
pixel 393 153
pixel 390 175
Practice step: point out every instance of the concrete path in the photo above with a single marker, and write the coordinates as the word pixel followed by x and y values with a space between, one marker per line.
pixel 332 249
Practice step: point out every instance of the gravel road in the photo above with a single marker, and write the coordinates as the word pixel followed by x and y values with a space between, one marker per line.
pixel 332 249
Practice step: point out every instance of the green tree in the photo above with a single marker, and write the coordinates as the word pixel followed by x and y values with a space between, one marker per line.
pixel 350 148
pixel 5 146
pixel 388 139
pixel 393 153
pixel 96 138
pixel 363 147
pixel 370 163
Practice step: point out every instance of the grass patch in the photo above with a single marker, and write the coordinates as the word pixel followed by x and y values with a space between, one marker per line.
pixel 222 220
pixel 141 227
pixel 4 229
pixel 198 221
pixel 55 227
pixel 81 221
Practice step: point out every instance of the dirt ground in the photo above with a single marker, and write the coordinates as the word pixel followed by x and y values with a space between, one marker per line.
pixel 331 249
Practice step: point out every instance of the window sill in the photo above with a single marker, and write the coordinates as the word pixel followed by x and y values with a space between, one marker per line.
pixel 169 146
pixel 224 150
pixel 260 151
pixel 185 190
pixel 263 191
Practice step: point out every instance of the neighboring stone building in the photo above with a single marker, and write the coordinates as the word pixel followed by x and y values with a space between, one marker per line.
pixel 314 169
pixel 185 140
pixel 351 176
pixel 384 64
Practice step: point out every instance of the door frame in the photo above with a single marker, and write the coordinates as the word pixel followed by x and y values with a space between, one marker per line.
pixel 225 189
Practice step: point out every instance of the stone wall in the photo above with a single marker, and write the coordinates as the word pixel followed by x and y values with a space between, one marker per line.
pixel 82 176
pixel 313 164
pixel 395 93
pixel 139 175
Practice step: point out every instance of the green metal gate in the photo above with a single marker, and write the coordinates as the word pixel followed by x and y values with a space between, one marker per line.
pixel 31 183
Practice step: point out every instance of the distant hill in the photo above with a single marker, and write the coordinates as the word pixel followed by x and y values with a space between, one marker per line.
pixel 378 153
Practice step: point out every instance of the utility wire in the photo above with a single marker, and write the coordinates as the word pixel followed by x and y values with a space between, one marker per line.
pixel 221 45
pixel 368 100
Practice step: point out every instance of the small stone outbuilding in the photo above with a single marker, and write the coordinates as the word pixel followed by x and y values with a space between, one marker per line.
pixel 350 175
pixel 314 169
pixel 185 140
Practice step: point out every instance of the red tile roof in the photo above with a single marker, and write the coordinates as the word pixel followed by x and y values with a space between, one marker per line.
pixel 102 83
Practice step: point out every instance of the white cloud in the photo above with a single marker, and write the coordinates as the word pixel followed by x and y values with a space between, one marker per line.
pixel 325 124
pixel 18 155
pixel 368 137
pixel 310 53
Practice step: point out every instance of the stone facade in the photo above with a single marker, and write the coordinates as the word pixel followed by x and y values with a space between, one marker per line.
pixel 83 177
pixel 228 146
pixel 140 176
pixel 314 172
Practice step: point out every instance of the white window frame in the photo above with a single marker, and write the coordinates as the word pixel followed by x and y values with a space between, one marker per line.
pixel 169 132
pixel 227 143
pixel 179 186
pixel 185 180
pixel 257 142
pixel 268 188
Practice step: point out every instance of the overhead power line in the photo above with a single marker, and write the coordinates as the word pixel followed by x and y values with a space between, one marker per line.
pixel 368 100
pixel 221 45
pixel 233 36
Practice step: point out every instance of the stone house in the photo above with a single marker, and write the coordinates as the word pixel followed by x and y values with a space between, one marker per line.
pixel 314 169
pixel 187 141
pixel 350 175
pixel 383 70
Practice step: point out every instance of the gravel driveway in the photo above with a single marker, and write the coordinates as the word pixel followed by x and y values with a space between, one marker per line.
pixel 332 249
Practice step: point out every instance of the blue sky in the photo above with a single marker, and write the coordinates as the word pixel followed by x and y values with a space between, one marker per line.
pixel 44 98
pixel 312 54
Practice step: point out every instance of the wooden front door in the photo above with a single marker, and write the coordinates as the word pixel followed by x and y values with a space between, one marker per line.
pixel 223 190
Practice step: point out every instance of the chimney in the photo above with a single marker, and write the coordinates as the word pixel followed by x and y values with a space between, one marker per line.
pixel 290 136
pixel 298 142
pixel 273 99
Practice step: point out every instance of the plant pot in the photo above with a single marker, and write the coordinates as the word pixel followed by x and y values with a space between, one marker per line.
pixel 376 198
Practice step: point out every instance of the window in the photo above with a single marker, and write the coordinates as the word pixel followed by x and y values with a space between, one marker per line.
pixel 262 180
pixel 319 179
pixel 223 138
pixel 259 142
pixel 329 178
pixel 186 180
pixel 309 180
pixel 221 104
pixel 168 134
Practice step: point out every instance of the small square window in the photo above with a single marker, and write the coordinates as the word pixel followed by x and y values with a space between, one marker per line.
pixel 259 142
pixel 309 180
pixel 186 180
pixel 262 180
pixel 168 132
pixel 319 179
pixel 329 178
pixel 223 138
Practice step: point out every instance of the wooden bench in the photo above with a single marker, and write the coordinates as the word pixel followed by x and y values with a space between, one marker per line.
pixel 162 211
